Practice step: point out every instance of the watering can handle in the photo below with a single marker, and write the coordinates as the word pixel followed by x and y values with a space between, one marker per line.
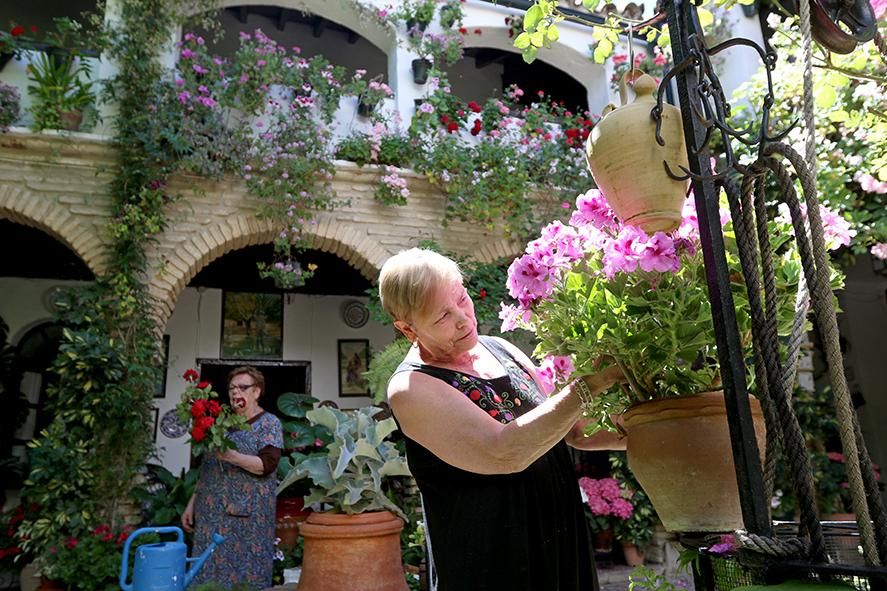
pixel 124 560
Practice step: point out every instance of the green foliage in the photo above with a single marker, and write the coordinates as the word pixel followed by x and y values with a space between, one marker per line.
pixel 382 367
pixel 301 439
pixel 83 465
pixel 59 83
pixel 644 578
pixel 80 472
pixel 850 115
pixel 287 557
pixel 91 561
pixel 350 476
pixel 164 501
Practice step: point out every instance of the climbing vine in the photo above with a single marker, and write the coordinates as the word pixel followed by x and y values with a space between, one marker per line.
pixel 84 465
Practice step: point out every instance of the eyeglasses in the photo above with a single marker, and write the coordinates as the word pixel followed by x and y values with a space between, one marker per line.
pixel 240 388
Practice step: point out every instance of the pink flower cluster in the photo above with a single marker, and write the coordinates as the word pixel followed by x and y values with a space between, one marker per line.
pixel 593 227
pixel 605 497
pixel 555 369
pixel 836 230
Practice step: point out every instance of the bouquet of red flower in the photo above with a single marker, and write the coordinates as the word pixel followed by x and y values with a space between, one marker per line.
pixel 210 420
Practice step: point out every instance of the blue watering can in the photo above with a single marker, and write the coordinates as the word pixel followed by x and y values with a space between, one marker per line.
pixel 161 567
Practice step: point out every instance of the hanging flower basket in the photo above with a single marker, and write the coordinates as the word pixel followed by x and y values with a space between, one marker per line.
pixel 420 70
pixel 364 109
pixel 679 449
pixel 627 162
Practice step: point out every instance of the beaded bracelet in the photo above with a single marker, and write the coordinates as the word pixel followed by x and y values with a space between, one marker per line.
pixel 586 398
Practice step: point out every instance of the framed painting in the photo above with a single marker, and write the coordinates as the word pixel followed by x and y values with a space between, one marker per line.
pixel 252 325
pixel 354 360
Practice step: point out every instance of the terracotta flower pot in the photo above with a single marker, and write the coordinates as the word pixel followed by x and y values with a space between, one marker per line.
pixel 602 541
pixel 290 513
pixel 633 555
pixel 71 120
pixel 679 450
pixel 345 552
pixel 627 163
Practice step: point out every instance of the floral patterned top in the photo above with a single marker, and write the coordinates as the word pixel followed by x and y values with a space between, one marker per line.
pixel 240 506
pixel 524 531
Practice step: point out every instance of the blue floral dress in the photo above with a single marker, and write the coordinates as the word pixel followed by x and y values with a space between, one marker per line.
pixel 524 531
pixel 240 506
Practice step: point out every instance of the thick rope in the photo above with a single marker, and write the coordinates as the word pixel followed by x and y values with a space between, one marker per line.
pixel 775 547
pixel 797 336
pixel 807 52
pixel 766 338
pixel 817 272
pixel 748 258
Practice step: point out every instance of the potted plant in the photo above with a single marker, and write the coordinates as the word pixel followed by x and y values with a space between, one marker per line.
pixel 370 93
pixel 416 14
pixel 61 89
pixel 636 531
pixel 88 559
pixel 599 291
pixel 11 43
pixel 608 503
pixel 355 544
pixel 301 439
pixel 10 106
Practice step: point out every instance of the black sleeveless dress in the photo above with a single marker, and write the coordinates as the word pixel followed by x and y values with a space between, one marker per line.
pixel 521 532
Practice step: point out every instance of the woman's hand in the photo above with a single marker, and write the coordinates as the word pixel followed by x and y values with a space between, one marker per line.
pixel 188 516
pixel 229 455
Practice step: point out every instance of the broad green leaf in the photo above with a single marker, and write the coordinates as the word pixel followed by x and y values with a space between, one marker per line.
pixel 532 18
pixel 529 54
pixel 537 38
pixel 522 41
pixel 552 34
pixel 602 51
pixel 590 5
pixel 706 18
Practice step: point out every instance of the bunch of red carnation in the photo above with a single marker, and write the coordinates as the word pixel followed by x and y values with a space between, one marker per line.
pixel 210 420
pixel 204 412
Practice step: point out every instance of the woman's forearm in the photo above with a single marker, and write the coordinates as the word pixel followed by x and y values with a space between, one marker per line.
pixel 250 463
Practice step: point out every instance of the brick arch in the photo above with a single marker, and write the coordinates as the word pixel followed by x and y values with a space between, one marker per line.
pixel 182 263
pixel 351 14
pixel 22 206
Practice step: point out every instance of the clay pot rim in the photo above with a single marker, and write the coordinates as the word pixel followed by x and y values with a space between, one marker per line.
pixel 703 404
pixel 344 525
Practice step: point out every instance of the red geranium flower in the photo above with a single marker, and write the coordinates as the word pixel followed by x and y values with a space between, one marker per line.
pixel 452 127
pixel 198 434
pixel 203 385
pixel 214 408
pixel 483 293
pixel 17 31
pixel 198 409
pixel 473 106
pixel 191 375
pixel 71 543
pixel 475 129
pixel 204 422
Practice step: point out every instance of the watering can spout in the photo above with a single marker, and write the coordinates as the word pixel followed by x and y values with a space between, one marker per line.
pixel 200 560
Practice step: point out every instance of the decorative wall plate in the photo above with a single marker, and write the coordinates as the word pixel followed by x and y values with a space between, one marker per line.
pixel 355 314
pixel 171 426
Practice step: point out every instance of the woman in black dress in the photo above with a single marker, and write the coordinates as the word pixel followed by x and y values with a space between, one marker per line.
pixel 487 448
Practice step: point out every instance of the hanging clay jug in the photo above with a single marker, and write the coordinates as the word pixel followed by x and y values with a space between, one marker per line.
pixel 627 162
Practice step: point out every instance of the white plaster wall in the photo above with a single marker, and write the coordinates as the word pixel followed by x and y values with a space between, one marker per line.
pixel 22 302
pixel 312 325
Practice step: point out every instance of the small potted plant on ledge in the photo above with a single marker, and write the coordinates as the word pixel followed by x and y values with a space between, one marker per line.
pixel 607 505
pixel 597 290
pixel 61 89
pixel 355 543
pixel 10 106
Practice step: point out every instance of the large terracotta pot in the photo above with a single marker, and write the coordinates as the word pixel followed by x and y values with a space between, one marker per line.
pixel 347 552
pixel 679 450
pixel 627 162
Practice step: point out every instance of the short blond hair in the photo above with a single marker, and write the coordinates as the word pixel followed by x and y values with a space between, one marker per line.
pixel 409 277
